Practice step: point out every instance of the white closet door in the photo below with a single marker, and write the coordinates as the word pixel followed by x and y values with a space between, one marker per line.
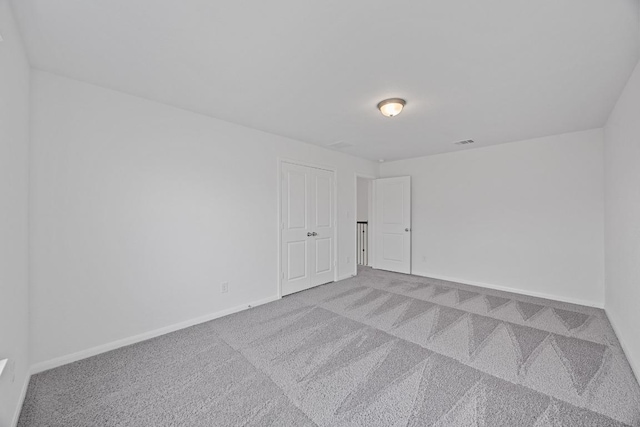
pixel 322 223
pixel 393 224
pixel 296 202
pixel 307 228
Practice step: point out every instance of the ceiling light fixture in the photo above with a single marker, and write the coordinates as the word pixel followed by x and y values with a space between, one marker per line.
pixel 391 107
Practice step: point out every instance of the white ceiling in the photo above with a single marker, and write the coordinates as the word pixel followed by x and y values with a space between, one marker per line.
pixel 491 70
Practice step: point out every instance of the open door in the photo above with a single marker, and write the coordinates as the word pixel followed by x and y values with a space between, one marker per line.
pixel 393 224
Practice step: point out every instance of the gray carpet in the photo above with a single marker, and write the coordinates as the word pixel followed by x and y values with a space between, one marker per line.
pixel 380 349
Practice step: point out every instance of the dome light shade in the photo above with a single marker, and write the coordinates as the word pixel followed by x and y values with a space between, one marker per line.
pixel 391 107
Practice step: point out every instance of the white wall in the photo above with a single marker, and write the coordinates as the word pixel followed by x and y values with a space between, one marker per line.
pixel 141 210
pixel 14 143
pixel 526 216
pixel 622 219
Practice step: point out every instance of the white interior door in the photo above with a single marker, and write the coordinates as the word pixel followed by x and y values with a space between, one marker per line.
pixel 307 228
pixel 393 224
pixel 322 223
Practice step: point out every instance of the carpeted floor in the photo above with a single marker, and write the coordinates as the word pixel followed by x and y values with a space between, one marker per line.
pixel 379 349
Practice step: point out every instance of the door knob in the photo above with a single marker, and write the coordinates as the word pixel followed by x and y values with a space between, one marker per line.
pixel 315 234
pixel 406 229
pixel 309 234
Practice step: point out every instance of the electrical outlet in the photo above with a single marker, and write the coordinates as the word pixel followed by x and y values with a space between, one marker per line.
pixel 224 287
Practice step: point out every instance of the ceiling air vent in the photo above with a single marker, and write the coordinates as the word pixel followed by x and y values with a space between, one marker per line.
pixel 465 142
pixel 340 145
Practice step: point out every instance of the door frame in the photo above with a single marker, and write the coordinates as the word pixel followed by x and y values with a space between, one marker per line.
pixel 371 214
pixel 333 171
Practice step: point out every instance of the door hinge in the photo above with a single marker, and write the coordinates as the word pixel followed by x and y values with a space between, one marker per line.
pixel 282 275
pixel 282 226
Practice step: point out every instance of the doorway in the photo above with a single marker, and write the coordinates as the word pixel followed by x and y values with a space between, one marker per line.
pixel 383 223
pixel 364 222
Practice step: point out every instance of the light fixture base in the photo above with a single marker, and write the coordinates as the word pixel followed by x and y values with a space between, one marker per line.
pixel 391 107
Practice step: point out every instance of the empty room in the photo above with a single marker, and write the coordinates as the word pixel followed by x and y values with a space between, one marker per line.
pixel 330 213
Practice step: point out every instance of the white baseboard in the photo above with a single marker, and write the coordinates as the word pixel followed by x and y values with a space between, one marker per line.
pixel 83 354
pixel 614 322
pixel 23 394
pixel 513 290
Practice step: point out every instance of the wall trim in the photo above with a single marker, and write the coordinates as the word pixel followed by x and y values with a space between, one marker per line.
pixel 93 351
pixel 634 367
pixel 23 395
pixel 512 290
